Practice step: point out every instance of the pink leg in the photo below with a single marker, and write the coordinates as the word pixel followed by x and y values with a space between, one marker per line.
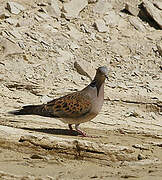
pixel 83 134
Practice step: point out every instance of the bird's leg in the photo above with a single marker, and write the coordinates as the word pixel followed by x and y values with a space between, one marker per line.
pixel 70 127
pixel 79 131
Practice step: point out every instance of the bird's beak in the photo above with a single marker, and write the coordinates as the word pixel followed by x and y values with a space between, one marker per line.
pixel 106 76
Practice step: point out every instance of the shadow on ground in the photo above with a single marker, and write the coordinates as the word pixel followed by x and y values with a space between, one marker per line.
pixel 54 131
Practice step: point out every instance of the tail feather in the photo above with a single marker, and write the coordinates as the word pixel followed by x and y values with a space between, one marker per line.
pixel 29 110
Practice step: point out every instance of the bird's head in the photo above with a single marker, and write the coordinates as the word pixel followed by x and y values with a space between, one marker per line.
pixel 102 72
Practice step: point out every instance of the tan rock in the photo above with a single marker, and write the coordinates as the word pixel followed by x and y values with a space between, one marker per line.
pixel 154 12
pixel 2 13
pixel 12 21
pixel 101 26
pixel 102 7
pixel 14 7
pixel 73 8
pixel 112 19
pixel 92 1
pixel 159 47
pixel 53 9
pixel 10 48
pixel 74 33
pixel 137 23
pixel 158 4
pixel 132 9
pixel 15 33
pixel 25 22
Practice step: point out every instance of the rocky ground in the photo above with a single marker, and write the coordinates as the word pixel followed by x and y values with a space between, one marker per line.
pixel 49 48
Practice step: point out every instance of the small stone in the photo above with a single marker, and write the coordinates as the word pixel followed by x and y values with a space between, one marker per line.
pixel 15 33
pixel 98 37
pixel 15 8
pixel 10 48
pixel 102 7
pixel 159 47
pixel 43 16
pixel 74 46
pixel 92 1
pixel 154 12
pixel 111 18
pixel 131 9
pixel 140 157
pixel 25 22
pixel 73 8
pixel 2 13
pixel 153 115
pixel 36 156
pixel 139 146
pixel 12 21
pixel 137 57
pixel 132 113
pixel 74 33
pixel 53 9
pixel 137 23
pixel 158 4
pixel 101 26
pixel 42 4
pixel 84 68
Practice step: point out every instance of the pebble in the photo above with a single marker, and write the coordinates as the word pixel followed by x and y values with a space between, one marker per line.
pixel 112 18
pixel 137 24
pixel 158 4
pixel 72 8
pixel 140 157
pixel 53 9
pixel 10 47
pixel 12 21
pixel 101 26
pixel 159 47
pixel 14 7
pixel 154 12
pixel 132 9
pixel 102 7
pixel 74 33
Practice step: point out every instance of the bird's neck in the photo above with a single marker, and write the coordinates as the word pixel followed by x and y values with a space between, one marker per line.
pixel 97 82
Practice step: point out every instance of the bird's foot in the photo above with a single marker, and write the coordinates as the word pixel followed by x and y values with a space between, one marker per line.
pixel 82 133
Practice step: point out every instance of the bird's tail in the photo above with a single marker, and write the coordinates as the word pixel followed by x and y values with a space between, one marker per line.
pixel 29 110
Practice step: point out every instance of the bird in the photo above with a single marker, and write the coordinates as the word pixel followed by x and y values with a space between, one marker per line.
pixel 74 108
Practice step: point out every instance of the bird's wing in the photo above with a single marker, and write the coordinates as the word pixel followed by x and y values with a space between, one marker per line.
pixel 73 105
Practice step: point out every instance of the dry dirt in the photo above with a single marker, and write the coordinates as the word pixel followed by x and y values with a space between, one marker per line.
pixel 39 49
